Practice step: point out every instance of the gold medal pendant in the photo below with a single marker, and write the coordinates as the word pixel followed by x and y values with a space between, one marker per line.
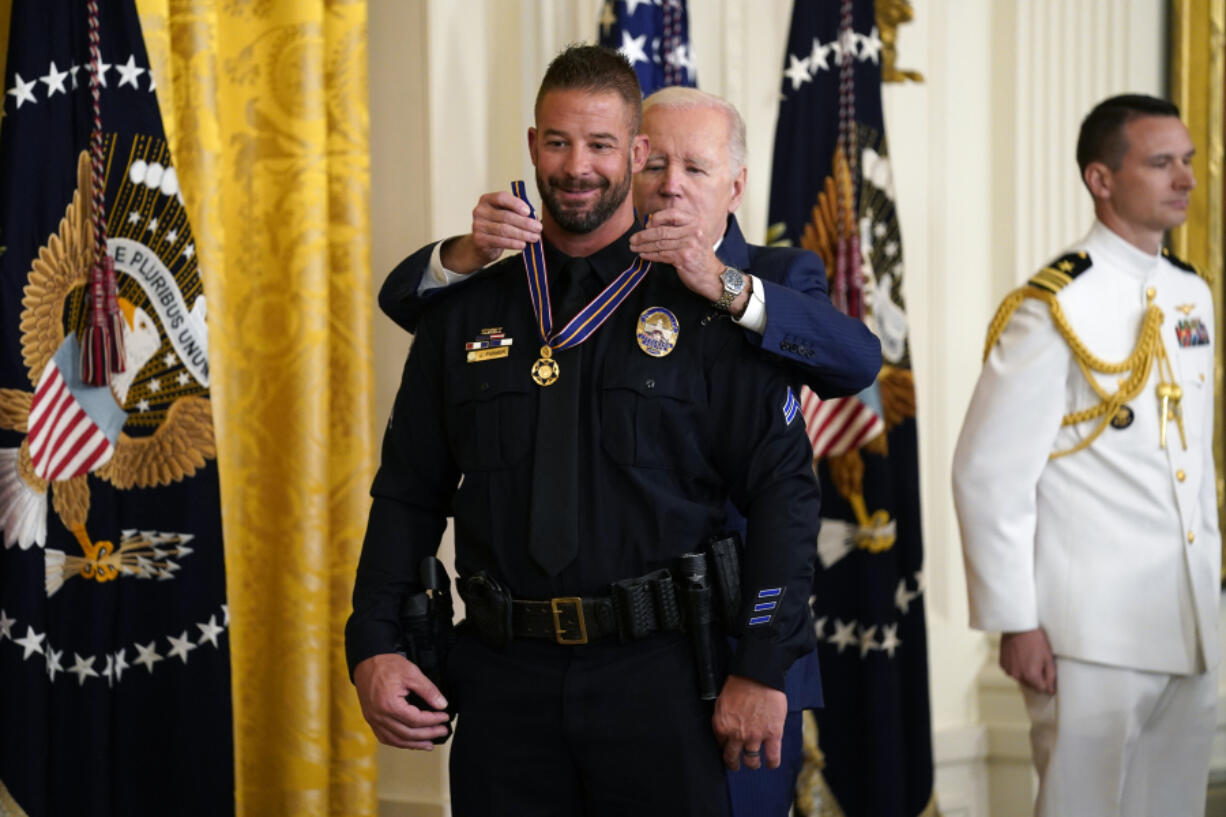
pixel 545 370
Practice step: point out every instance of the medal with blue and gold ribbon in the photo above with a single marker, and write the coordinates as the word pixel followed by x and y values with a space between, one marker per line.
pixel 545 371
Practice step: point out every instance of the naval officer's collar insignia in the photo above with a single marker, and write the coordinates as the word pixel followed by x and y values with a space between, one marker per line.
pixel 1177 261
pixel 657 331
pixel 1061 272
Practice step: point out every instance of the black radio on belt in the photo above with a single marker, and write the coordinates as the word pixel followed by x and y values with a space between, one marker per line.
pixel 426 630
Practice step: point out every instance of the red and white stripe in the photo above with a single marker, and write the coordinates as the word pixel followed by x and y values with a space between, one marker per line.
pixel 838 425
pixel 64 441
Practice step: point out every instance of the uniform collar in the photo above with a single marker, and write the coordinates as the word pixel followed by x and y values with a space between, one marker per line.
pixel 1107 245
pixel 609 262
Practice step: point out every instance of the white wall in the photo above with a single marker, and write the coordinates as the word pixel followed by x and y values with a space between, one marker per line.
pixel 987 190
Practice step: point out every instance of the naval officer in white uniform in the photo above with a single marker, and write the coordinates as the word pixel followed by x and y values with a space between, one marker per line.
pixel 1085 489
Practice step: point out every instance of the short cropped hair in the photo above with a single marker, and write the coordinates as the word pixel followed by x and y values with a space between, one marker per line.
pixel 596 69
pixel 680 98
pixel 1102 131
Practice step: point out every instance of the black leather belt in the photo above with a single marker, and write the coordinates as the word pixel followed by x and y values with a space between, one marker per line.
pixel 566 619
pixel 633 609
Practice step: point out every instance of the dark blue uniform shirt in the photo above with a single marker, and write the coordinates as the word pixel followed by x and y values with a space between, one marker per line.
pixel 663 443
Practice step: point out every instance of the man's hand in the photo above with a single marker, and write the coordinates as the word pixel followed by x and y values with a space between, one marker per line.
pixel 500 222
pixel 749 717
pixel 675 237
pixel 1026 657
pixel 382 682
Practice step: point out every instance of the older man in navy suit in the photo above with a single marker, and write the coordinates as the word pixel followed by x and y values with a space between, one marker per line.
pixel 691 186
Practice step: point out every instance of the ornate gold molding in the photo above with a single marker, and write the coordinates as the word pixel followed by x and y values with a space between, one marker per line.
pixel 1198 60
pixel 890 15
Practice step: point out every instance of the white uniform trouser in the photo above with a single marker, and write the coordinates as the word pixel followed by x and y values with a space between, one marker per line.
pixel 1116 742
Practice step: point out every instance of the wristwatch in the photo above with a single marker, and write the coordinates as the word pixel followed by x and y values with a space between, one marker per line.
pixel 734 285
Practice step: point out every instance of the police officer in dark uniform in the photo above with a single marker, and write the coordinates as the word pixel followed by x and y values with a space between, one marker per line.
pixel 580 457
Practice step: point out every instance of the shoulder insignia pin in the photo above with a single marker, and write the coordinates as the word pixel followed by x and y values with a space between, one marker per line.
pixel 1177 261
pixel 1060 272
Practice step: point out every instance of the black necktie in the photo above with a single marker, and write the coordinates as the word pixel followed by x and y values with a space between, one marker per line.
pixel 555 470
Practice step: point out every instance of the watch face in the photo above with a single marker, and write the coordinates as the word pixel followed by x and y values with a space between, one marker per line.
pixel 733 280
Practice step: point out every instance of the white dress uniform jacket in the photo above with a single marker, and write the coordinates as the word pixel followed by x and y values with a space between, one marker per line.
pixel 1113 550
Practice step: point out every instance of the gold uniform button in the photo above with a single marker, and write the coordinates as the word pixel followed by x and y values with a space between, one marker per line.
pixel 1150 292
pixel 1180 475
pixel 1191 537
pixel 1202 377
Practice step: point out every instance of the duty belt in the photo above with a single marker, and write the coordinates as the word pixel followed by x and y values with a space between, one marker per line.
pixel 634 608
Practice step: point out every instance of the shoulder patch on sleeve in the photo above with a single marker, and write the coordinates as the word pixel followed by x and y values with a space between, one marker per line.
pixel 791 407
pixel 1177 261
pixel 1060 272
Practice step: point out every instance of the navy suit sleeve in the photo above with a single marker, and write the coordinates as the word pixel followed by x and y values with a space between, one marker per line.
pixel 831 353
pixel 398 296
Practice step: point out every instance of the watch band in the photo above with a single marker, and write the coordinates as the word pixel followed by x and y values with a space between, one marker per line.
pixel 734 285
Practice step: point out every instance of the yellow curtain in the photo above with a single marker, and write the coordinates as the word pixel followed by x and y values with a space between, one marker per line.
pixel 265 110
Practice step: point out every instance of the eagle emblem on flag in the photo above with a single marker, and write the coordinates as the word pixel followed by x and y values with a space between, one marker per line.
pixel 151 426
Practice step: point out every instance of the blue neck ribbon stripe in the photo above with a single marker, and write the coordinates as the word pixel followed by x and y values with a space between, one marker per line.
pixel 592 316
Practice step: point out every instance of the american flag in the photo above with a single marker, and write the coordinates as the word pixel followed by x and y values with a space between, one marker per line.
pixel 838 425
pixel 832 192
pixel 73 426
pixel 654 37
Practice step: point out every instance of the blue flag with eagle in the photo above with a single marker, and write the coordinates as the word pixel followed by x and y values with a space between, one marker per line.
pixel 654 37
pixel 832 192
pixel 113 622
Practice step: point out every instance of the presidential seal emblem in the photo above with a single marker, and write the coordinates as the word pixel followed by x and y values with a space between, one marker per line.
pixel 657 331
pixel 154 425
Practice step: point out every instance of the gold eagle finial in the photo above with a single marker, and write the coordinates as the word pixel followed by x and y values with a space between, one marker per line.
pixel 890 15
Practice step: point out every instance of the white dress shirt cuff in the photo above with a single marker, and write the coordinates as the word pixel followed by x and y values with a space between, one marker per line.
pixel 754 318
pixel 437 275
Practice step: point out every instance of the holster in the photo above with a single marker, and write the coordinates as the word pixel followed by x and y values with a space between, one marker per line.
pixel 428 632
pixel 488 608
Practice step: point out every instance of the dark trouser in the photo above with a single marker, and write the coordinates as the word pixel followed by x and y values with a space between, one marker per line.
pixel 601 729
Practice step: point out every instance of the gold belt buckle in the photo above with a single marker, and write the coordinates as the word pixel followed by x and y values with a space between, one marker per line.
pixel 557 605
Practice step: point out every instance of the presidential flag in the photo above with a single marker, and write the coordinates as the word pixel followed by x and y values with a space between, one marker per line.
pixel 113 617
pixel 654 37
pixel 832 192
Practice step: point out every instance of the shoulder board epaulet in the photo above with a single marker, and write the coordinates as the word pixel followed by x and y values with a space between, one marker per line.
pixel 1061 272
pixel 1177 261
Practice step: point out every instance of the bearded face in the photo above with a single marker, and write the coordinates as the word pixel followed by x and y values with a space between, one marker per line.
pixel 580 205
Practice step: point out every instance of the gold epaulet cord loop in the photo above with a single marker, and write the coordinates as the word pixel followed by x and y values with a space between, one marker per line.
pixel 1138 365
